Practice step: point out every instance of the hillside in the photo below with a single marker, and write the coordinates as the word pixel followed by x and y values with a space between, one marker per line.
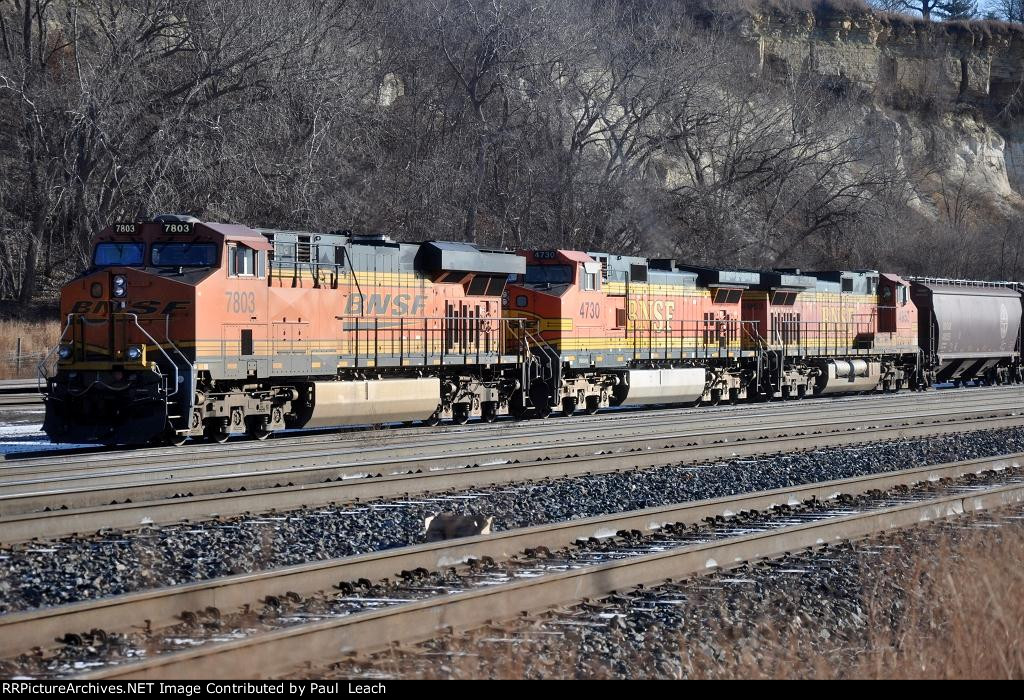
pixel 817 134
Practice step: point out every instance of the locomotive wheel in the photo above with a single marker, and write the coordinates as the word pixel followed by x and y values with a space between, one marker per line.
pixel 172 437
pixel 460 414
pixel 256 428
pixel 488 412
pixel 541 398
pixel 517 405
pixel 592 405
pixel 433 420
pixel 568 407
pixel 217 433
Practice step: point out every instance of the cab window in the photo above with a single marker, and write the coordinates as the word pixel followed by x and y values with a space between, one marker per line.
pixel 108 254
pixel 184 255
pixel 245 262
pixel 548 274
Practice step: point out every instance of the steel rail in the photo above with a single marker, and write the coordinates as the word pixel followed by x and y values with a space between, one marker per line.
pixel 310 450
pixel 7 400
pixel 19 392
pixel 340 439
pixel 164 606
pixel 284 650
pixel 128 515
pixel 392 459
pixel 17 386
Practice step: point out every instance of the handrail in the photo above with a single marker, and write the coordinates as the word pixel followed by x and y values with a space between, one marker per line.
pixel 135 320
pixel 964 282
pixel 41 367
pixel 191 367
pixel 472 336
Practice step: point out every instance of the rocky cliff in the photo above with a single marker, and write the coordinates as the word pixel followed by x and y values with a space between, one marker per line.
pixel 953 92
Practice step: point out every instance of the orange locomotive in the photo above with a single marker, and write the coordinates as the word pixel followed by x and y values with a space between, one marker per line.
pixel 186 329
pixel 631 330
pixel 183 329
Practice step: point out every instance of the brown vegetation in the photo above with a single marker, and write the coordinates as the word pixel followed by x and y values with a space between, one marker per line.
pixel 955 613
pixel 37 338
pixel 588 124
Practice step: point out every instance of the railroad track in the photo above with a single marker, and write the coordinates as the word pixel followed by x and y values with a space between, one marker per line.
pixel 19 392
pixel 393 457
pixel 313 449
pixel 352 437
pixel 282 650
pixel 125 506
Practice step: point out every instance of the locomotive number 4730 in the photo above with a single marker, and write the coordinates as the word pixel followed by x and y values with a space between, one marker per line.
pixel 241 302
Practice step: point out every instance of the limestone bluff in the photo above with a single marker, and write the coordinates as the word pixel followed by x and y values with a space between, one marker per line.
pixel 952 91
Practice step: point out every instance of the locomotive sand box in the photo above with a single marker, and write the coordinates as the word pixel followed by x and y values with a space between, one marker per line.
pixel 184 329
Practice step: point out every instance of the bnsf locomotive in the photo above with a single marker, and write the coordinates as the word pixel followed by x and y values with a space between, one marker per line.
pixel 183 329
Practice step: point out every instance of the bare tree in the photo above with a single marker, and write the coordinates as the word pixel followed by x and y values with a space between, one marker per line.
pixel 943 9
pixel 486 44
pixel 1009 10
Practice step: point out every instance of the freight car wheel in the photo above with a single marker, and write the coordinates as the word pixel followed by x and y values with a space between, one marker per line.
pixel 460 413
pixel 433 420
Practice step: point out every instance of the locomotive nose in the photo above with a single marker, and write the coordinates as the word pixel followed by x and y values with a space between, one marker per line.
pixel 119 364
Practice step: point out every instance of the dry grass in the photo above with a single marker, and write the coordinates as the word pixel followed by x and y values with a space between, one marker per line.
pixel 37 339
pixel 956 613
pixel 963 619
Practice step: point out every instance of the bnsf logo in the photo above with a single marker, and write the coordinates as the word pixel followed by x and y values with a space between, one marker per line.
pixel 399 304
pixel 138 307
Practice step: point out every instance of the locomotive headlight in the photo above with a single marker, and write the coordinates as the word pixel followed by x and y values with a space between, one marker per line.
pixel 64 352
pixel 120 286
pixel 134 352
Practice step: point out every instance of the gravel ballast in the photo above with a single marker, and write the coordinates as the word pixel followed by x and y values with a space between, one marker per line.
pixel 82 649
pixel 81 568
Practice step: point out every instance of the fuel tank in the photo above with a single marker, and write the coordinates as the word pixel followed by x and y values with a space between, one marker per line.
pixel 844 376
pixel 654 386
pixel 369 401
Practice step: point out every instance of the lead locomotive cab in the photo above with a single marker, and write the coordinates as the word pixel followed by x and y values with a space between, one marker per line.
pixel 124 370
pixel 183 329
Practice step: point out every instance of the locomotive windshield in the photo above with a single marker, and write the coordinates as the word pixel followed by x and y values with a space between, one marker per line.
pixel 548 274
pixel 108 254
pixel 184 254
